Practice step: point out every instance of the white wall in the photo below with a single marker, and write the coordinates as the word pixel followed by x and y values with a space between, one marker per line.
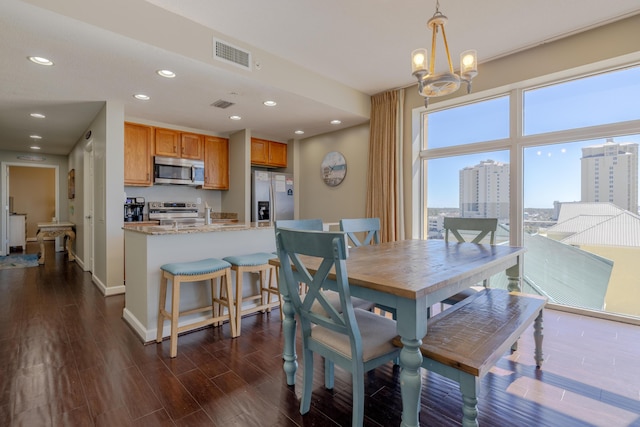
pixel 107 134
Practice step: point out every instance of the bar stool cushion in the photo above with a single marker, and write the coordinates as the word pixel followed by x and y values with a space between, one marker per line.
pixel 204 266
pixel 257 258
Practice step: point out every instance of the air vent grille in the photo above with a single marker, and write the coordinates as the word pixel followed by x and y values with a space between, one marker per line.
pixel 221 103
pixel 225 52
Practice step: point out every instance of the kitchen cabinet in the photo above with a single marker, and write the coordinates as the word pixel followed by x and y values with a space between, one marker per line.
pixel 167 142
pixel 18 231
pixel 173 143
pixel 216 163
pixel 138 155
pixel 191 146
pixel 268 153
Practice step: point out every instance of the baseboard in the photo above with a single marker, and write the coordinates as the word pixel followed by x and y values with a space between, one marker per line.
pixel 145 335
pixel 79 262
pixel 107 290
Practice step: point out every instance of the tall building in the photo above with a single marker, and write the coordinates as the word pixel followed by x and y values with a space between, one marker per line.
pixel 484 190
pixel 610 174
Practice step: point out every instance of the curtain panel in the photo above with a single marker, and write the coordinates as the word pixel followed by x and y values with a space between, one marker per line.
pixel 384 181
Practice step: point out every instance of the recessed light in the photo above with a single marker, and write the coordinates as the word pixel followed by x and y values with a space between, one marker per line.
pixel 166 73
pixel 141 97
pixel 235 117
pixel 40 60
pixel 270 103
pixel 335 122
pixel 299 132
pixel 37 115
pixel 34 147
pixel 35 137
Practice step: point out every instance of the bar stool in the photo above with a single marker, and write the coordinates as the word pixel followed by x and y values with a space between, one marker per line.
pixel 255 263
pixel 211 269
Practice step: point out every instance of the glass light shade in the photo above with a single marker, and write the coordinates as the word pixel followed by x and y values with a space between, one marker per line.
pixel 468 64
pixel 419 61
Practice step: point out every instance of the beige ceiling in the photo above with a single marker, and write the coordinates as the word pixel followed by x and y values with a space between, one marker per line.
pixel 319 60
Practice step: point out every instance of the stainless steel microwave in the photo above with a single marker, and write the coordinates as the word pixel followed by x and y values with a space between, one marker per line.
pixel 170 170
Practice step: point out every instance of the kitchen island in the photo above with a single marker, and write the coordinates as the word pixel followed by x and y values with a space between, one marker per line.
pixel 149 247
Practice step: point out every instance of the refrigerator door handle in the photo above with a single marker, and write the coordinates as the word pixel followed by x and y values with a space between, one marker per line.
pixel 272 205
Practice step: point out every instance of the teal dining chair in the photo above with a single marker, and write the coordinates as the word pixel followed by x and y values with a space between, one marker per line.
pixel 317 225
pixel 299 224
pixel 369 226
pixel 473 230
pixel 354 339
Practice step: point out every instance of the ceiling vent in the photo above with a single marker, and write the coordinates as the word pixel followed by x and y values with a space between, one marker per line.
pixel 221 103
pixel 225 52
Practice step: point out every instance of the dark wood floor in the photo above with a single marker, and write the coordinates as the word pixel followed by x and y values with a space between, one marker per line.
pixel 68 359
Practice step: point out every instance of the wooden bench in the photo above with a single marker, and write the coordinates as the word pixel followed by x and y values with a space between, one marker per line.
pixel 465 341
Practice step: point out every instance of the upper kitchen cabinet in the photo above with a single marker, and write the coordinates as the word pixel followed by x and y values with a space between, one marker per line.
pixel 216 163
pixel 167 142
pixel 191 146
pixel 173 143
pixel 268 153
pixel 138 155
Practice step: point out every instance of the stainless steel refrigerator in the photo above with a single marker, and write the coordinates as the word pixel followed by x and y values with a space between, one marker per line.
pixel 271 196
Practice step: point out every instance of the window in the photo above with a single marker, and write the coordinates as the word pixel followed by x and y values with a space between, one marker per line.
pixel 590 101
pixel 575 229
pixel 483 121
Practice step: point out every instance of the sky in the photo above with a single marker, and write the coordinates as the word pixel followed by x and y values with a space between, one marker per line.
pixel 551 172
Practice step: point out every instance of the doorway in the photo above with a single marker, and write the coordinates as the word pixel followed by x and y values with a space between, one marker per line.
pixel 33 190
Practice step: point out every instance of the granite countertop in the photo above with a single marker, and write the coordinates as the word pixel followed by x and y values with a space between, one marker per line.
pixel 190 229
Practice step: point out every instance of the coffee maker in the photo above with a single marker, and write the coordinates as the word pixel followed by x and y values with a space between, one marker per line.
pixel 133 208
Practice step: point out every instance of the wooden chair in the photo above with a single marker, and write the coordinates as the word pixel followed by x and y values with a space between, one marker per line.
pixel 479 228
pixel 254 263
pixel 370 226
pixel 354 339
pixel 218 273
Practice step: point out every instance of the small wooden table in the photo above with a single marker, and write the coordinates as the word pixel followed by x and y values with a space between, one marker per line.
pixel 56 229
pixel 410 275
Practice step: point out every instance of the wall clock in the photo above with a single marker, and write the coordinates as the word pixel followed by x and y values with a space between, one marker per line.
pixel 333 168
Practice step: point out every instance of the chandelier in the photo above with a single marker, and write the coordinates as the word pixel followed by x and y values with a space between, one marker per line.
pixel 431 84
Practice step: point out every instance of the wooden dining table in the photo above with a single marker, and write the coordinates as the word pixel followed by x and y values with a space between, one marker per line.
pixel 410 276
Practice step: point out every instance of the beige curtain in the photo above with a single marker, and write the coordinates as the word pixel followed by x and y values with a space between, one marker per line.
pixel 384 183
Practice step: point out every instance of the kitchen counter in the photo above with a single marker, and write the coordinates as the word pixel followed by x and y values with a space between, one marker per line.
pixel 147 248
pixel 196 228
pixel 140 223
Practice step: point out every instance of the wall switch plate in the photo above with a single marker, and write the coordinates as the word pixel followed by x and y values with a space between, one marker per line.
pixel 199 201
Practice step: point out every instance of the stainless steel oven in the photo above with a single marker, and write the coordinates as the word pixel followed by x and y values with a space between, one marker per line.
pixel 175 213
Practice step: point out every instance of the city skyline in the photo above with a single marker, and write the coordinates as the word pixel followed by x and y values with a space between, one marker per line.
pixel 551 172
pixel 555 166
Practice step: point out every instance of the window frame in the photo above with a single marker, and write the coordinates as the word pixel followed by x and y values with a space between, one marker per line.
pixel 514 144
